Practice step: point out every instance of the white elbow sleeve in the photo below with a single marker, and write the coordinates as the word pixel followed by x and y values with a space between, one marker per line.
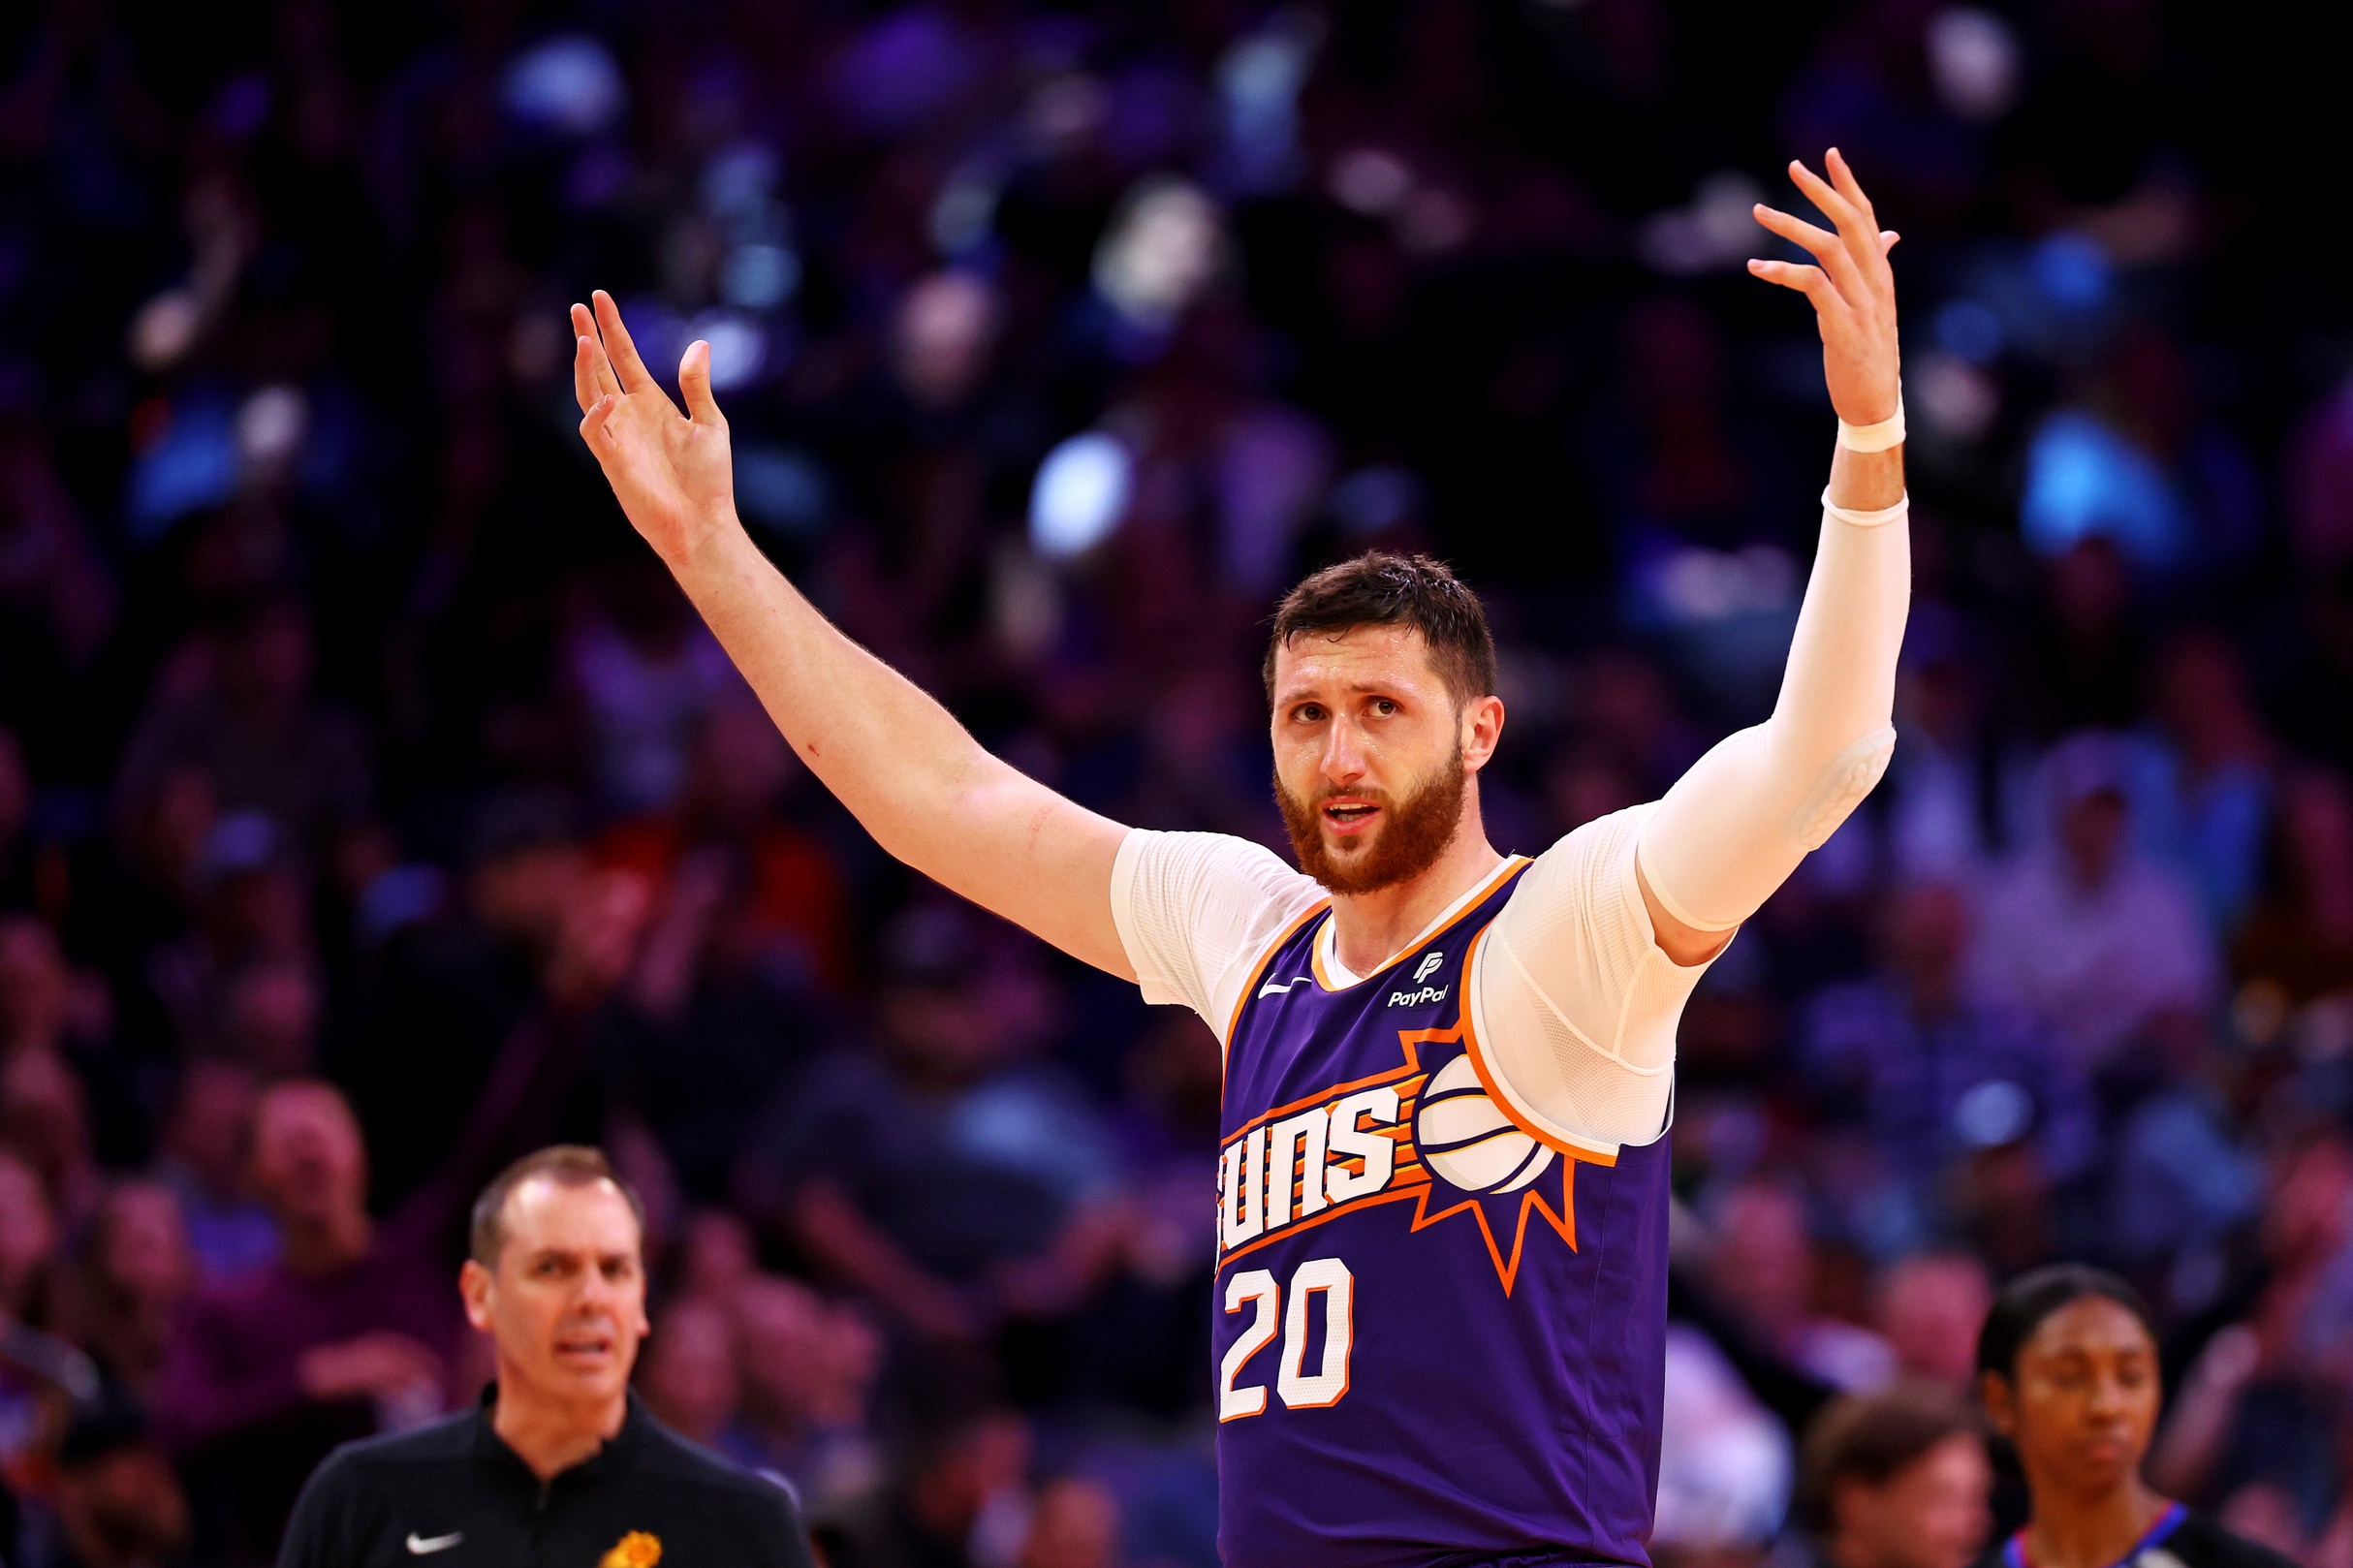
pixel 1851 776
pixel 1734 826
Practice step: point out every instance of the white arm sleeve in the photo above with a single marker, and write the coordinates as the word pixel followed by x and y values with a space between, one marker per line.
pixel 1732 828
pixel 1196 911
pixel 1573 999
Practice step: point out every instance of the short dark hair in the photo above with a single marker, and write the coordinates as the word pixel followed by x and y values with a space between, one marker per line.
pixel 1382 588
pixel 1871 1437
pixel 2034 1296
pixel 567 1165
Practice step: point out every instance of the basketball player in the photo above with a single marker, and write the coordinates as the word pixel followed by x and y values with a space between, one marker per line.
pixel 1441 1291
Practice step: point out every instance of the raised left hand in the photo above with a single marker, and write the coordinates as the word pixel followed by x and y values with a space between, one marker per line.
pixel 1853 288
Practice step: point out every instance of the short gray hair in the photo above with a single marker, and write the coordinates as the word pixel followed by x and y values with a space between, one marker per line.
pixel 567 1165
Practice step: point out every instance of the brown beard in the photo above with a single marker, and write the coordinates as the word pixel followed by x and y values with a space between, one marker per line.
pixel 1418 829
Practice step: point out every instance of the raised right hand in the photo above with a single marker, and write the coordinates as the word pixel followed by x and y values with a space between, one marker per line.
pixel 673 473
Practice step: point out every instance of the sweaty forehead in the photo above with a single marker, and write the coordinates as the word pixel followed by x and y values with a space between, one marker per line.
pixel 1361 655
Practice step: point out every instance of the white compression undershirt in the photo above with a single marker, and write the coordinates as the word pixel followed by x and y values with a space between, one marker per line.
pixel 1584 1054
pixel 1573 998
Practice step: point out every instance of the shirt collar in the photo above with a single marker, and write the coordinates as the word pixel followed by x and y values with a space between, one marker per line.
pixel 493 1449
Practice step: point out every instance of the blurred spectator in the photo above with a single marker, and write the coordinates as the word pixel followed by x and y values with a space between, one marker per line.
pixel 1939 814
pixel 1725 1463
pixel 645 671
pixel 948 1180
pixel 809 1368
pixel 1934 1073
pixel 2300 938
pixel 29 1241
pixel 44 1122
pixel 269 1013
pixel 252 894
pixel 716 1253
pixel 2263 1402
pixel 691 1376
pixel 50 1011
pixel 1896 1479
pixel 207 1163
pixel 2080 659
pixel 728 994
pixel 740 772
pixel 118 1505
pixel 958 1500
pixel 1763 1270
pixel 2207 808
pixel 36 1000
pixel 1930 1305
pixel 2180 1186
pixel 476 1019
pixel 1074 1524
pixel 351 1330
pixel 245 716
pixel 28 1255
pixel 2086 932
pixel 122 1296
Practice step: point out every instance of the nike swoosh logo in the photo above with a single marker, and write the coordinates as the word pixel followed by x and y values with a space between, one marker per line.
pixel 1280 987
pixel 421 1546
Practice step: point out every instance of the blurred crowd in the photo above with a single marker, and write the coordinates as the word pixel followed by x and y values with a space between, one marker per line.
pixel 373 809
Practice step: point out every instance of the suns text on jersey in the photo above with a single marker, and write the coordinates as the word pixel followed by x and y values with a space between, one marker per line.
pixel 1305 1163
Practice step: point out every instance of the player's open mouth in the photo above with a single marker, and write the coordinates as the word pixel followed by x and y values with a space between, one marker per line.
pixel 1350 816
pixel 585 1347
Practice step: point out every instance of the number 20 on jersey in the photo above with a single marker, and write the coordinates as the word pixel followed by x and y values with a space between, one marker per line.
pixel 1324 1279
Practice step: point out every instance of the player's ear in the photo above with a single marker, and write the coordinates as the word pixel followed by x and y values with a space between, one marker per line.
pixel 474 1288
pixel 1481 721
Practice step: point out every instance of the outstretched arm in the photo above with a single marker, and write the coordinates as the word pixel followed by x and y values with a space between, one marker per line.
pixel 907 770
pixel 1732 828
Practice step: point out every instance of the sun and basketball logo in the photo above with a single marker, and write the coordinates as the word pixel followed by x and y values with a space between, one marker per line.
pixel 1434 1134
pixel 1466 1138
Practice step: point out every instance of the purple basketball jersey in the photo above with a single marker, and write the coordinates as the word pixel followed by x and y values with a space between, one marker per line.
pixel 1437 1335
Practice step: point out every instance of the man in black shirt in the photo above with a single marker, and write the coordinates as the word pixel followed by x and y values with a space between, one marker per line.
pixel 560 1466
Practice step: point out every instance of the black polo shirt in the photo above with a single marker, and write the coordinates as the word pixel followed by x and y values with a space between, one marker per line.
pixel 454 1495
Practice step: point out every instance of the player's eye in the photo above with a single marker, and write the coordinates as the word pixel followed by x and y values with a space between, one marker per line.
pixel 1308 713
pixel 1384 706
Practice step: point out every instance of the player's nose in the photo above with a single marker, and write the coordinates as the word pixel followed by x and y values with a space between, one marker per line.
pixel 1343 759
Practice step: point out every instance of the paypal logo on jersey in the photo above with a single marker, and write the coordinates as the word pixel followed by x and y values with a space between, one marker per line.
pixel 1422 994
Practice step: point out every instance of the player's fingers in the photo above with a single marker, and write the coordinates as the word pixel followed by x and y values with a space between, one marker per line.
pixel 1887 240
pixel 1858 232
pixel 1808 281
pixel 1843 177
pixel 1827 248
pixel 694 381
pixel 590 376
pixel 596 423
pixel 620 347
pixel 583 374
pixel 600 378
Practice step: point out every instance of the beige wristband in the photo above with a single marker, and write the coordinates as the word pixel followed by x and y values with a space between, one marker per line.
pixel 1888 432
